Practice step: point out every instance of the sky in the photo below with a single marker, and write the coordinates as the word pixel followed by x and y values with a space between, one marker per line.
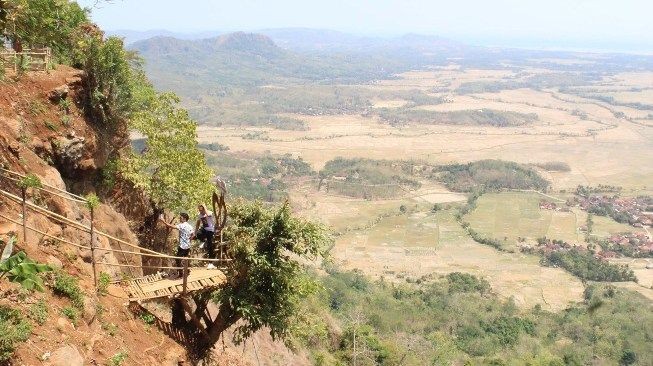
pixel 611 24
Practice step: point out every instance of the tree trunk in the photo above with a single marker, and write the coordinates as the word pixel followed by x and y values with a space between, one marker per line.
pixel 178 314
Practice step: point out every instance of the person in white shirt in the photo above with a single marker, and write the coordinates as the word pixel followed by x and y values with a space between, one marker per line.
pixel 205 229
pixel 185 235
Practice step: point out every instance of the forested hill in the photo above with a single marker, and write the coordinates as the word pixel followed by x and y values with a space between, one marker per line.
pixel 278 56
pixel 247 59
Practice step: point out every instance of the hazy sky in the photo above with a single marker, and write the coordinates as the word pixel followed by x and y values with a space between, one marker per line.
pixel 627 23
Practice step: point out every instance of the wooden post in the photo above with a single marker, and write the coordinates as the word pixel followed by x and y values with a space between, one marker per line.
pixel 93 250
pixel 185 277
pixel 23 193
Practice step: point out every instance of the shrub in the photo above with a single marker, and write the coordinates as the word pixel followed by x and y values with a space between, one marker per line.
pixel 464 282
pixel 13 329
pixel 110 328
pixel 71 313
pixel 584 265
pixel 67 285
pixel 147 318
pixel 118 358
pixel 110 80
pixel 103 283
pixel 39 312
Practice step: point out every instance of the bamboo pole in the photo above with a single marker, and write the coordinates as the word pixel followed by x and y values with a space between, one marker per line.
pixel 23 193
pixel 45 234
pixel 100 249
pixel 46 185
pixel 93 250
pixel 77 225
pixel 185 275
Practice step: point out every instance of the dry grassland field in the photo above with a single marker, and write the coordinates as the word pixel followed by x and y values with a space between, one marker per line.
pixel 604 141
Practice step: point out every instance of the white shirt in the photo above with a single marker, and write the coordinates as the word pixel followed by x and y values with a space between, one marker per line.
pixel 208 221
pixel 185 232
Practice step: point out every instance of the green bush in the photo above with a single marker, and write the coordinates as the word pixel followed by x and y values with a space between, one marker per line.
pixel 68 286
pixel 110 80
pixel 71 313
pixel 39 312
pixel 464 282
pixel 118 359
pixel 585 266
pixel 147 318
pixel 13 330
pixel 104 280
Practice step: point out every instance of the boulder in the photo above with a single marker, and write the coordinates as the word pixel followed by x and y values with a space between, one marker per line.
pixel 66 356
pixel 90 310
pixel 68 152
pixel 59 93
pixel 54 262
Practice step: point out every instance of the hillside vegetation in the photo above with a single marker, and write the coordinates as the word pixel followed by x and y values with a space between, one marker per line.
pixel 490 175
pixel 457 318
pixel 367 178
pixel 468 117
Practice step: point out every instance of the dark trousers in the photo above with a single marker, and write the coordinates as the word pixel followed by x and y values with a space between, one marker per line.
pixel 181 253
pixel 206 237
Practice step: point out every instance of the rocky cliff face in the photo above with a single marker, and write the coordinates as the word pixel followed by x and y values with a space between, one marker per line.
pixel 44 132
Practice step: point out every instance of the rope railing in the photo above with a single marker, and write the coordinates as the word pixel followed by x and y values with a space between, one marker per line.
pixel 90 229
pixel 78 197
pixel 101 249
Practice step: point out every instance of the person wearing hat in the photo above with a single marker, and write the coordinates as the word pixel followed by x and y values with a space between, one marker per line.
pixel 205 229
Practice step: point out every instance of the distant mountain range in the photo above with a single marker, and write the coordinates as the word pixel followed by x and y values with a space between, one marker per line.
pixel 251 59
pixel 191 64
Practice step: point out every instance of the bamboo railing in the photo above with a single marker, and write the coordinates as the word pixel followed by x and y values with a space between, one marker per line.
pixel 26 205
pixel 35 59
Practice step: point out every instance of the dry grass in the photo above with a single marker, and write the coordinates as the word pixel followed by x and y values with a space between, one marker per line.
pixel 379 253
pixel 512 215
pixel 380 241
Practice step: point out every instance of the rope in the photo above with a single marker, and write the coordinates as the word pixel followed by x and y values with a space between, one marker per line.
pixel 50 192
pixel 86 229
pixel 45 234
pixel 134 266
pixel 46 185
pixel 102 249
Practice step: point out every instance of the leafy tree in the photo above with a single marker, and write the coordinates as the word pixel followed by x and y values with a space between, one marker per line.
pixel 268 282
pixel 52 23
pixel 115 85
pixel 172 170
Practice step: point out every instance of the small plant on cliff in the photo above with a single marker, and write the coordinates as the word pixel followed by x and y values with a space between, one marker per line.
pixel 71 313
pixel 30 181
pixel 118 358
pixel 92 201
pixel 13 329
pixel 67 285
pixel 39 312
pixel 20 269
pixel 104 279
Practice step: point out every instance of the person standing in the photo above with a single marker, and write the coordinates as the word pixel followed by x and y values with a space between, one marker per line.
pixel 185 234
pixel 205 229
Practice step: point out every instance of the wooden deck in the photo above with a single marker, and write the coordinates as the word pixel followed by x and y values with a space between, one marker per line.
pixel 156 285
